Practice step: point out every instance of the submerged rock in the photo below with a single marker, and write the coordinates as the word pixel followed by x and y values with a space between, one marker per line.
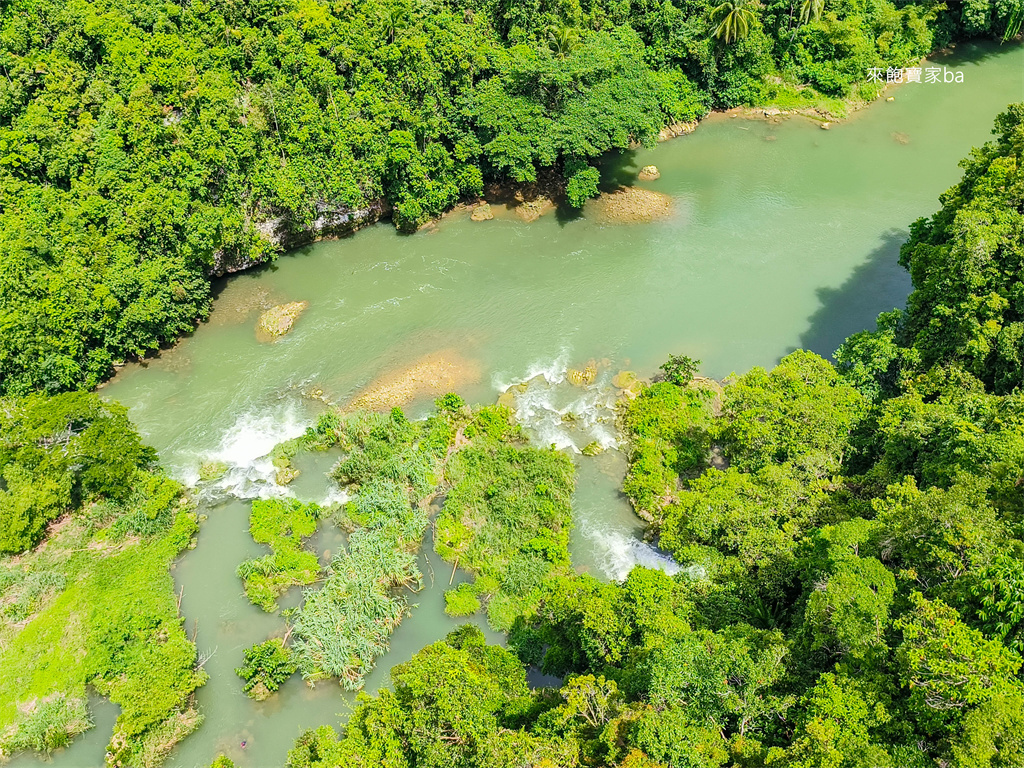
pixel 277 321
pixel 624 379
pixel 435 374
pixel 593 448
pixel 285 475
pixel 212 470
pixel 649 173
pixel 482 213
pixel 825 126
pixel 632 205
pixel 507 399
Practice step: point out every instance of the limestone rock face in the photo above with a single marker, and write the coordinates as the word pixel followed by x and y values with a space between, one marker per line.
pixel 277 321
pixel 649 173
pixel 676 129
pixel 332 220
pixel 482 213
pixel 531 209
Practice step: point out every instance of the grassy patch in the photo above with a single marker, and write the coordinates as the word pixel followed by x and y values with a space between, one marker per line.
pixel 107 616
pixel 392 465
pixel 281 524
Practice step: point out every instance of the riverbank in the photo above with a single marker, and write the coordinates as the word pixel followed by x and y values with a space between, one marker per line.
pixel 528 201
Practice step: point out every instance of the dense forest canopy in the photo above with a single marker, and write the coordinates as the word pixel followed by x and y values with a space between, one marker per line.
pixel 852 539
pixel 851 535
pixel 143 141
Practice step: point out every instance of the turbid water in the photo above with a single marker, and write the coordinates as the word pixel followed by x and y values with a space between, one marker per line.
pixel 783 236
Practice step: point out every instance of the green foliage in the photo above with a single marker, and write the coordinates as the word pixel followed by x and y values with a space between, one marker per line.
pixel 732 20
pixel 461 601
pixel 449 707
pixel 58 454
pixel 108 618
pixel 344 626
pixel 679 369
pixel 267 665
pixel 967 307
pixel 142 146
pixel 997 595
pixel 801 413
pixel 836 728
pixel 668 431
pixel 946 664
pixel 281 524
pixel 850 536
pixel 390 464
pixel 506 517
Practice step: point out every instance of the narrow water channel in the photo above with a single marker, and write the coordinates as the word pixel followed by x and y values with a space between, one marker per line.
pixel 765 252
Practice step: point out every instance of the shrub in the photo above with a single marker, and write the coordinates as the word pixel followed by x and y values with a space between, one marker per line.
pixel 267 665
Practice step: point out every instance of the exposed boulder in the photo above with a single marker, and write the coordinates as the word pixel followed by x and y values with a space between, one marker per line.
pixel 649 173
pixel 277 321
pixel 482 212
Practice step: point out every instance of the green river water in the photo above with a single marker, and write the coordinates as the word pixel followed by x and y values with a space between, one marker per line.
pixel 783 236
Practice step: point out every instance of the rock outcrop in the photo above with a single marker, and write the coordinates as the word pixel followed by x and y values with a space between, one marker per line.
pixel 277 321
pixel 284 234
pixel 632 205
pixel 482 213
pixel 649 173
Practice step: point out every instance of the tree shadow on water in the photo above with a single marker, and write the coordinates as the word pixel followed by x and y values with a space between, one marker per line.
pixel 878 284
pixel 618 170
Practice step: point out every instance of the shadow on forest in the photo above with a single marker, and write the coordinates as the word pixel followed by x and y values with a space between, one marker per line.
pixel 879 284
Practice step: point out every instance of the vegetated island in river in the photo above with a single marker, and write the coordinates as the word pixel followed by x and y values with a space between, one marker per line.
pixel 144 149
pixel 853 535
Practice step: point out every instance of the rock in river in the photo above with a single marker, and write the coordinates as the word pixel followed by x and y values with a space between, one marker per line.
pixel 277 321
pixel 649 173
pixel 482 213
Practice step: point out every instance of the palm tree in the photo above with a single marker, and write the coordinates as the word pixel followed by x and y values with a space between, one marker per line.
pixel 563 40
pixel 811 9
pixel 394 19
pixel 732 19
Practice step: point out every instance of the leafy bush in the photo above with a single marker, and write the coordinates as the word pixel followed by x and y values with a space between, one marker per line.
pixel 461 601
pixel 281 524
pixel 267 665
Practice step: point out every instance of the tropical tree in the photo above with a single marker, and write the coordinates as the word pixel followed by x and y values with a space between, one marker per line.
pixel 563 40
pixel 811 10
pixel 732 20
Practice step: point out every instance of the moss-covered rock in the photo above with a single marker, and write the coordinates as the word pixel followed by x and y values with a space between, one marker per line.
pixel 277 321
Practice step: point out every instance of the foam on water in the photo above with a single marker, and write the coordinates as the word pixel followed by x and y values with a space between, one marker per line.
pixel 555 412
pixel 245 448
pixel 618 551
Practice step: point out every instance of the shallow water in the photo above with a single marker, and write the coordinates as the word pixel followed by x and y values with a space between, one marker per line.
pixel 783 236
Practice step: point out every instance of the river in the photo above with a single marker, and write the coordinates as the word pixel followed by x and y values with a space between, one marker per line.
pixel 783 236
